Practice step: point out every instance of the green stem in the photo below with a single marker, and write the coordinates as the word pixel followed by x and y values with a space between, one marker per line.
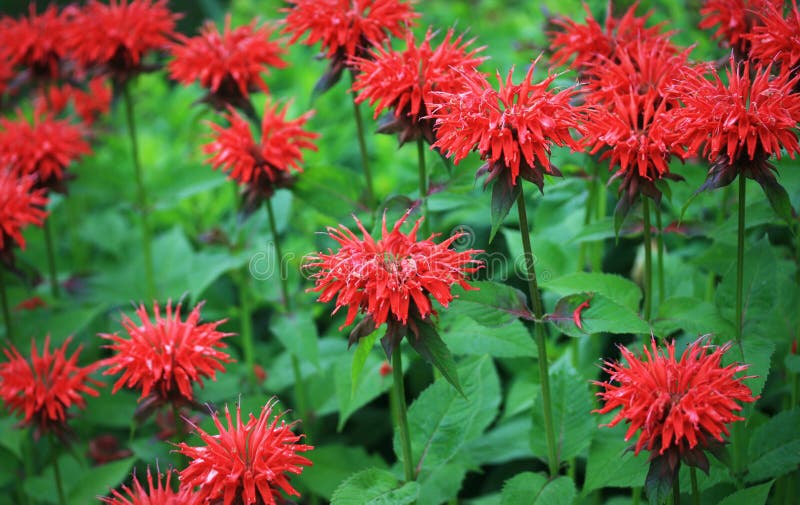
pixel 423 187
pixel 636 495
pixel 362 144
pixel 141 195
pixel 300 395
pixel 279 260
pixel 695 489
pixel 27 465
pixel 6 310
pixel 648 261
pixel 57 472
pixel 246 322
pixel 660 251
pixel 676 491
pixel 51 258
pixel 740 260
pixel 399 394
pixel 538 312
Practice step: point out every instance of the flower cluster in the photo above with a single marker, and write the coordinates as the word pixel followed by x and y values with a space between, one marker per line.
pixel 20 206
pixel 157 493
pixel 736 19
pixel 37 42
pixel 775 38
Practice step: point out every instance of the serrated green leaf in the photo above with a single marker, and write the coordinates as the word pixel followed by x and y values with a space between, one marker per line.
pixel 98 480
pixel 529 488
pixel 464 336
pixel 757 355
pixel 603 315
pixel 375 487
pixel 615 287
pixel 363 350
pixel 492 304
pixel 692 315
pixel 333 464
pixel 774 448
pixel 370 385
pixel 500 444
pixel 756 495
pixel 433 350
pixel 610 464
pixel 298 334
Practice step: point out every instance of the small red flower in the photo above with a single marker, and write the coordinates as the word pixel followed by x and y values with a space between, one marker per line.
pixel 265 165
pixel 404 80
pixel 776 37
pixel 512 128
pixel 43 387
pixel 31 303
pixel 157 493
pixel 245 463
pixel 229 64
pixel 37 42
pixel 117 36
pixel 393 278
pixel 385 369
pixel 734 19
pixel 20 205
pixel 105 449
pixel 165 356
pixel 43 149
pixel 678 404
pixel 347 28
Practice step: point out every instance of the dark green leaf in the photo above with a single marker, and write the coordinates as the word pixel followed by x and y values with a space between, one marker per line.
pixel 465 336
pixel 756 495
pixel 610 464
pixel 375 487
pixel 492 303
pixel 603 315
pixel 529 488
pixel 298 334
pixel 98 480
pixel 775 447
pixel 504 194
pixel 333 464
pixel 658 483
pixel 433 350
pixel 692 315
pixel 615 287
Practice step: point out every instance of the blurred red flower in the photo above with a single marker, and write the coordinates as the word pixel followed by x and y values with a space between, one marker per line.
pixel 266 165
pixel 31 303
pixel 43 149
pixel 105 449
pixel 734 19
pixel 246 463
pixel 776 37
pixel 38 41
pixel 228 64
pixel 89 104
pixel 117 36
pixel 679 404
pixel 20 205
pixel 43 387
pixel 393 278
pixel 157 493
pixel 513 128
pixel 403 80
pixel 165 356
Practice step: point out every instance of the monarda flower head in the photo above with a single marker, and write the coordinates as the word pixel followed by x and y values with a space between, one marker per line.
pixel 156 493
pixel 681 407
pixel 165 356
pixel 43 148
pixel 776 37
pixel 346 28
pixel 403 81
pixel 89 102
pixel 44 386
pixel 228 64
pixel 735 20
pixel 245 463
pixel 392 280
pixel 741 124
pixel 37 43
pixel 513 128
pixel 20 205
pixel 265 165
pixel 116 37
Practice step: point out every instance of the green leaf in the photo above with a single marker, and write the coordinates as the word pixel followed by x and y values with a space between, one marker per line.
pixel 333 464
pixel 571 403
pixel 465 336
pixel 298 334
pixel 756 495
pixel 375 486
pixel 778 197
pixel 492 304
pixel 98 480
pixel 500 444
pixel 504 194
pixel 363 350
pixel 369 385
pixel 603 315
pixel 434 351
pixel 775 447
pixel 530 488
pixel 114 411
pixel 692 315
pixel 615 287
pixel 757 355
pixel 12 437
pixel 658 483
pixel 610 464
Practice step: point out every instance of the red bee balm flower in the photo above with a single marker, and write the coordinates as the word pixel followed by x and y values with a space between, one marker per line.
pixel 512 129
pixel 117 36
pixel 43 149
pixel 404 80
pixel 777 37
pixel 392 278
pixel 166 355
pixel 43 387
pixel 735 19
pixel 155 494
pixel 679 405
pixel 245 463
pixel 263 166
pixel 37 42
pixel 230 64
pixel 20 205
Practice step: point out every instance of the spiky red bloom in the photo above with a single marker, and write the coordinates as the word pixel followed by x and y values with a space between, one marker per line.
pixel 404 80
pixel 43 387
pixel 265 165
pixel 347 28
pixel 512 128
pixel 157 493
pixel 742 123
pixel 6 73
pixel 165 356
pixel 20 205
pixel 89 104
pixel 37 42
pixel 735 20
pixel 229 64
pixel 117 36
pixel 245 463
pixel 677 403
pixel 391 278
pixel 776 38
pixel 590 41
pixel 43 149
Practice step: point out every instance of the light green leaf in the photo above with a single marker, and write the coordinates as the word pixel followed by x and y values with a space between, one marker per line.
pixel 775 447
pixel 465 336
pixel 370 385
pixel 610 464
pixel 692 315
pixel 492 304
pixel 98 480
pixel 756 495
pixel 615 287
pixel 529 488
pixel 363 350
pixel 298 334
pixel 603 315
pixel 375 487
pixel 333 464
